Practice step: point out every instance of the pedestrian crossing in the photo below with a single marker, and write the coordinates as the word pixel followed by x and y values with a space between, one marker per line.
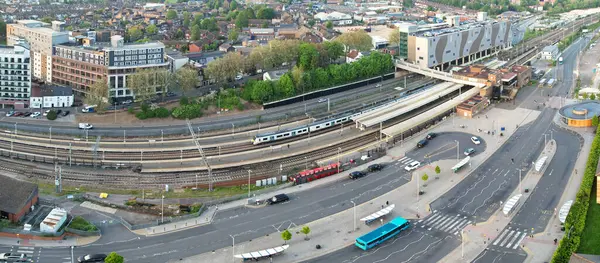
pixel 405 160
pixel 510 238
pixel 452 224
pixel 32 253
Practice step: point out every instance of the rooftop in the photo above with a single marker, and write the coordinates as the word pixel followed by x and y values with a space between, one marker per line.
pixel 581 111
pixel 136 46
pixel 447 29
pixel 14 194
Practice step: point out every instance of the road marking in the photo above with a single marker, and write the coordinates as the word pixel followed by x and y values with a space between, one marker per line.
pixel 442 217
pixel 445 223
pixel 513 240
pixel 512 232
pixel 519 242
pixel 427 220
pixel 500 237
pixel 450 227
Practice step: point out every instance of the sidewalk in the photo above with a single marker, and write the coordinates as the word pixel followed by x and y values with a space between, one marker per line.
pixel 478 237
pixel 335 232
pixel 70 241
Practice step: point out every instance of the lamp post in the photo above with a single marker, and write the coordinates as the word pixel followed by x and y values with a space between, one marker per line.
pixel 162 209
pixel 249 171
pixel 457 149
pixel 462 243
pixel 233 247
pixel 520 187
pixel 354 210
pixel 72 257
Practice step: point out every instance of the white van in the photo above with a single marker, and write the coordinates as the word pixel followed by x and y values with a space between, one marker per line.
pixel 85 126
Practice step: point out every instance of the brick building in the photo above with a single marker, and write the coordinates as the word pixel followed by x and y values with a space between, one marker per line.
pixel 16 198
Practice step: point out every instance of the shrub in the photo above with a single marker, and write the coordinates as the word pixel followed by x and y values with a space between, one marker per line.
pixel 187 111
pixel 162 112
pixel 141 115
pixel 145 107
pixel 52 115
pixel 184 101
pixel 131 110
pixel 196 208
pixel 81 224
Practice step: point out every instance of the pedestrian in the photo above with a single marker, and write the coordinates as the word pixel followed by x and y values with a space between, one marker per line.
pixel 382 206
pixel 288 146
pixel 418 216
pixel 555 241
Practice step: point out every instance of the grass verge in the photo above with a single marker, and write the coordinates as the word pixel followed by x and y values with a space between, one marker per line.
pixel 590 240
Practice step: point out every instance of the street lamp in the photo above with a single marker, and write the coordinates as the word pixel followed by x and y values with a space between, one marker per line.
pixel 457 149
pixel 354 208
pixel 72 257
pixel 249 171
pixel 162 209
pixel 233 248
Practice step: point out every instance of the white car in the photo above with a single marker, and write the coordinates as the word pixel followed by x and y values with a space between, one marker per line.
pixel 85 126
pixel 475 140
pixel 13 256
pixel 412 166
pixel 322 100
pixel 35 114
pixel 10 113
pixel 239 77
pixel 46 112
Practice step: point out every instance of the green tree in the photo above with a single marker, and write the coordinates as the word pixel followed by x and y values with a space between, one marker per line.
pixel 308 56
pixel 135 34
pixel 359 40
pixel 187 18
pixel 285 86
pixel 592 96
pixel 286 235
pixel 145 83
pixel 425 177
pixel 209 24
pixel 179 34
pixel 265 13
pixel 198 19
pixel 241 20
pixel 262 91
pixel 47 19
pixel 585 96
pixel 97 95
pixel 595 120
pixel 195 32
pixel 151 29
pixel 311 22
pixel 334 50
pixel 408 3
pixel 395 37
pixel 52 115
pixel 171 14
pixel 437 171
pixel 233 35
pixel 329 25
pixel 187 79
pixel 305 230
pixel 113 257
pixel 233 5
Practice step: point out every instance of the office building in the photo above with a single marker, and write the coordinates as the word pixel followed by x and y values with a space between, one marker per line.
pixel 441 46
pixel 41 39
pixel 15 76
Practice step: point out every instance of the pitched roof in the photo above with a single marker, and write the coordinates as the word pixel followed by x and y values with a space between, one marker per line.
pixel 14 194
pixel 353 54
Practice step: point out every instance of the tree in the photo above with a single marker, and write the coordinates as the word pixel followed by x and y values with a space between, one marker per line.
pixel 187 78
pixel 408 3
pixel 97 95
pixel 286 235
pixel 395 37
pixel 113 257
pixel 179 34
pixel 334 50
pixel 311 22
pixel 52 115
pixel 151 29
pixel 585 96
pixel 329 25
pixel 437 171
pixel 308 56
pixel 425 177
pixel 187 18
pixel 595 120
pixel 265 13
pixel 145 83
pixel 241 20
pixel 297 74
pixel 285 86
pixel 171 14
pixel 134 34
pixel 195 32
pixel 305 230
pixel 233 35
pixel 592 96
pixel 359 40
pixel 209 24
pixel 47 19
pixel 233 5
pixel 225 68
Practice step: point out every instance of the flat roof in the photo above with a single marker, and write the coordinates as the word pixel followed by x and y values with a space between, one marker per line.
pixel 136 46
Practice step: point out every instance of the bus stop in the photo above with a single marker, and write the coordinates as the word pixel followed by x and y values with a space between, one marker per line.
pixel 381 213
pixel 511 203
pixel 267 253
pixel 540 163
pixel 564 211
pixel 460 164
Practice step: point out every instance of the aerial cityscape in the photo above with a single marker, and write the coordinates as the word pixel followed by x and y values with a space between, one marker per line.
pixel 314 131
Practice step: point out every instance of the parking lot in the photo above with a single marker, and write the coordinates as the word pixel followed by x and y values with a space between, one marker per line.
pixel 63 115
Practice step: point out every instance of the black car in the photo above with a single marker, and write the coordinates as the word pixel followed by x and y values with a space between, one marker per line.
pixel 375 167
pixel 65 113
pixel 431 136
pixel 278 199
pixel 356 174
pixel 422 143
pixel 27 114
pixel 92 258
pixel 58 112
pixel 170 94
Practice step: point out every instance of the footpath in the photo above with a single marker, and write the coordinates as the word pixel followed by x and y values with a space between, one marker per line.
pixel 336 231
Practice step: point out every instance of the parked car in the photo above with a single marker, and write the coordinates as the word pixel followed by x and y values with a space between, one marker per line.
pixel 85 126
pixel 65 113
pixel 46 112
pixel 27 114
pixel 278 199
pixel 10 113
pixel 58 112
pixel 422 143
pixel 91 258
pixel 239 77
pixel 469 151
pixel 412 166
pixel 475 140
pixel 171 94
pixel 127 102
pixel 356 174
pixel 431 135
pixel 375 167
pixel 12 256
pixel 18 114
pixel 35 114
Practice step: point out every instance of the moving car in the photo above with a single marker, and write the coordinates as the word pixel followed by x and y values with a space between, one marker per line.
pixel 375 167
pixel 469 151
pixel 91 258
pixel 356 174
pixel 85 126
pixel 12 256
pixel 412 166
pixel 475 140
pixel 278 199
pixel 322 100
pixel 431 135
pixel 422 143
pixel 36 114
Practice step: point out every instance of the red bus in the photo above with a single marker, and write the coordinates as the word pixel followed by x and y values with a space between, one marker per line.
pixel 316 173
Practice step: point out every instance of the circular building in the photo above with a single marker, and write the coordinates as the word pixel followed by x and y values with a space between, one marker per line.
pixel 580 114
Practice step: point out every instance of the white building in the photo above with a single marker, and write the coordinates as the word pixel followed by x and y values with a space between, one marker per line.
pixel 336 18
pixel 15 76
pixel 41 38
pixel 54 221
pixel 274 75
pixel 51 97
pixel 176 60
pixel 550 52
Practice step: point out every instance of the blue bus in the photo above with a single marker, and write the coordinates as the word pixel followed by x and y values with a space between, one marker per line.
pixel 382 233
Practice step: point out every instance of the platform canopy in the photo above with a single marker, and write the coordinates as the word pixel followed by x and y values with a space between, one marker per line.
pixel 564 211
pixel 511 203
pixel 263 253
pixel 540 163
pixel 379 213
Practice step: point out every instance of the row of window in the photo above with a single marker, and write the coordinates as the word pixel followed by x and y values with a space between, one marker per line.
pixel 141 62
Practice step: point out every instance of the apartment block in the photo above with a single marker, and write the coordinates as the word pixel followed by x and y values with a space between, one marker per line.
pixel 41 39
pixel 444 45
pixel 15 76
pixel 80 66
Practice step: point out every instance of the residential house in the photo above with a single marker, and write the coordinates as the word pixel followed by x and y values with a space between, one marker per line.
pixel 176 60
pixel 226 48
pixel 310 37
pixel 354 55
pixel 17 198
pixel 203 58
pixel 262 34
pixel 51 96
pixel 258 22
pixel 550 52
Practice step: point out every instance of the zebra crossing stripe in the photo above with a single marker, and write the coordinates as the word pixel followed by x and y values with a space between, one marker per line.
pixel 402 159
pixel 519 242
pixel 513 239
pixel 500 237
pixel 447 222
pixel 450 227
pixel 440 218
pixel 512 232
pixel 431 218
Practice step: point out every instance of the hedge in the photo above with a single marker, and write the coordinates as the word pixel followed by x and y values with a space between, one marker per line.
pixel 577 214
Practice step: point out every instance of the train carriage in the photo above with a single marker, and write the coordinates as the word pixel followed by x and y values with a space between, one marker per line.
pixel 315 174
